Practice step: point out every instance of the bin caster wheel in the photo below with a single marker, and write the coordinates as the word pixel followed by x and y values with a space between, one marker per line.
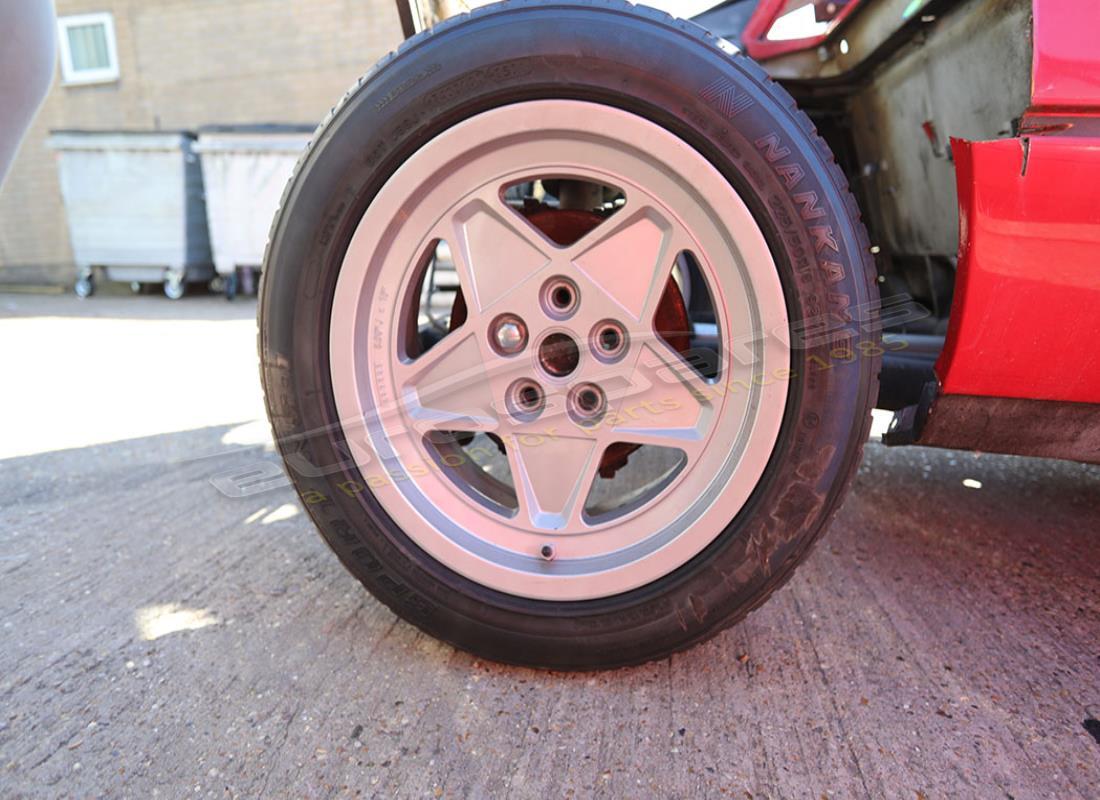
pixel 174 288
pixel 84 286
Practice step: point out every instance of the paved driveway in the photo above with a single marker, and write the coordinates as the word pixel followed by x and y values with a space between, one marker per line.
pixel 161 639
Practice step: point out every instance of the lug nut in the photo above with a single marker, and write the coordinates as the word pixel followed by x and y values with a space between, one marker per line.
pixel 508 335
pixel 525 399
pixel 559 297
pixel 608 340
pixel 547 552
pixel 587 404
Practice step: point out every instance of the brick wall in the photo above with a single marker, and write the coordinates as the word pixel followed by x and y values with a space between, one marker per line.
pixel 186 63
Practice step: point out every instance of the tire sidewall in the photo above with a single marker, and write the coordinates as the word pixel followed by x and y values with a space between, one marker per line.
pixel 668 73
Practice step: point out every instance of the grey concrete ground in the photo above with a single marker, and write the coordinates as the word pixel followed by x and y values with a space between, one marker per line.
pixel 159 639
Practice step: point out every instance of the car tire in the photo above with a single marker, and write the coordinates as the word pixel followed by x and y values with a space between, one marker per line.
pixel 720 105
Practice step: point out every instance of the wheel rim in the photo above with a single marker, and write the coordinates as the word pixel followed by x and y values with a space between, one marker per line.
pixel 400 413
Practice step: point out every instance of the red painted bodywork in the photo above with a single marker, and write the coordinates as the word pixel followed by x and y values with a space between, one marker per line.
pixel 1066 59
pixel 1025 321
pixel 755 35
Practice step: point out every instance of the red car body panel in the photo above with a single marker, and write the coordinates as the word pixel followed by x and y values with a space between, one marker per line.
pixel 1066 61
pixel 1025 320
pixel 1026 313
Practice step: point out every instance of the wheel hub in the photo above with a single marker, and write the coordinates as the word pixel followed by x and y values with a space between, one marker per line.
pixel 559 296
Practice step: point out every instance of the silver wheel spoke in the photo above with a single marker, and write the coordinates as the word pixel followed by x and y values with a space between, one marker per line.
pixel 449 386
pixel 630 258
pixel 495 252
pixel 552 476
pixel 667 405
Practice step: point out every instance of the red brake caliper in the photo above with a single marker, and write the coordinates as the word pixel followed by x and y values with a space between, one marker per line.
pixel 670 321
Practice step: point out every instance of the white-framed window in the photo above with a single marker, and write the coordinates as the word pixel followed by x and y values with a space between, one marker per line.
pixel 88 52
